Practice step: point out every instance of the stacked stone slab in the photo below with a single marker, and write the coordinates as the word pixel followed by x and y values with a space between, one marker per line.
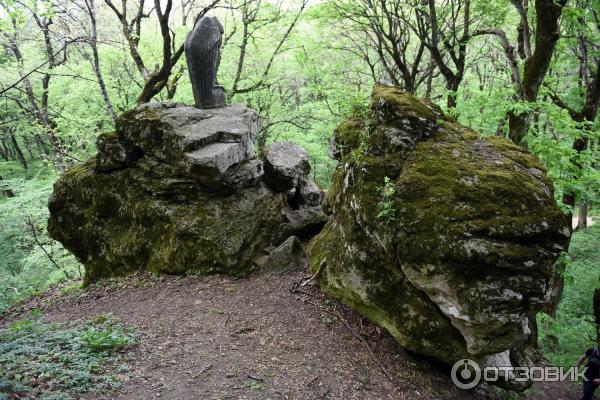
pixel 212 146
pixel 286 168
pixel 287 165
pixel 174 189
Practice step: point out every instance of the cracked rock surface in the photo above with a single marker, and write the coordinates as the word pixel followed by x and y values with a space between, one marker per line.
pixel 466 256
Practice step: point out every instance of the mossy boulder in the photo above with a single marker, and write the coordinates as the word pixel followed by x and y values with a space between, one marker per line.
pixel 463 254
pixel 174 190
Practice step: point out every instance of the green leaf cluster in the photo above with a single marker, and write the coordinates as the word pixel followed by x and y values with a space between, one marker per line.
pixel 61 361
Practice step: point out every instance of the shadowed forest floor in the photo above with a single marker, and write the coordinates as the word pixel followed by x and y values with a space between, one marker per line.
pixel 254 338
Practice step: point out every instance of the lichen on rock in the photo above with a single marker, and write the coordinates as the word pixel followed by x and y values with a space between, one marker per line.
pixel 469 255
pixel 176 189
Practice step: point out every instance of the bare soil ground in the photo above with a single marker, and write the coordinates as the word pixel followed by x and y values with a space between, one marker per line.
pixel 254 338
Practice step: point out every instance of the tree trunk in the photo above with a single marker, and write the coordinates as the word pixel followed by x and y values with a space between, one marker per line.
pixel 518 125
pixel 451 101
pixel 102 85
pixel 452 87
pixel 500 127
pixel 583 215
pixel 173 82
pixel 93 42
pixel 547 34
pixel 579 145
pixel 18 151
pixel 28 146
pixel 42 148
pixel 453 79
pixel 4 149
pixel 183 13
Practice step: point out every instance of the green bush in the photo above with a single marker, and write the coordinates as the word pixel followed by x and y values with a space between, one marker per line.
pixel 105 338
pixel 386 208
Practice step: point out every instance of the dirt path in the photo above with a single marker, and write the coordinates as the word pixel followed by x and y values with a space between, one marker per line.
pixel 222 338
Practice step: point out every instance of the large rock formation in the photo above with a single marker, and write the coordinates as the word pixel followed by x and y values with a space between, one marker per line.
pixel 457 251
pixel 174 189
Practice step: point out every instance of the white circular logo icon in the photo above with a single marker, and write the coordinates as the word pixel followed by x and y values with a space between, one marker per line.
pixel 465 374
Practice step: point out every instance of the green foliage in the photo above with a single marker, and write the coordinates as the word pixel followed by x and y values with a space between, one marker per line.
pixel 565 337
pixel 318 79
pixel 361 113
pixel 25 269
pixel 571 171
pixel 386 208
pixel 362 149
pixel 105 338
pixel 52 361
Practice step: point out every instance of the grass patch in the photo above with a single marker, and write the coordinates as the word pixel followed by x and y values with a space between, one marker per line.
pixel 61 361
pixel 564 338
pixel 10 170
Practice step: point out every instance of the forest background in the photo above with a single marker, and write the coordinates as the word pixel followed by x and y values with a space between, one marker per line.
pixel 527 70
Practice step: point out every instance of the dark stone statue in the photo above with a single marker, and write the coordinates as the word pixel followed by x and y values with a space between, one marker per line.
pixel 203 53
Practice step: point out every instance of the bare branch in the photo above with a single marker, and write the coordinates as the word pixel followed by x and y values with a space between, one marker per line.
pixel 249 18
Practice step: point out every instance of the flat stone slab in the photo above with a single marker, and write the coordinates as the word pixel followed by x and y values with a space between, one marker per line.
pixel 286 164
pixel 168 131
pixel 216 158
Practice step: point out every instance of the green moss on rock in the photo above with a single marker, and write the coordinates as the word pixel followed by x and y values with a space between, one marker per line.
pixel 395 103
pixel 470 253
pixel 117 223
pixel 136 206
